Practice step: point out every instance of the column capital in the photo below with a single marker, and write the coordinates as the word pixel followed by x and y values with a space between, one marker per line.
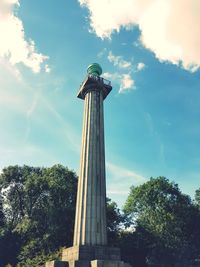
pixel 94 83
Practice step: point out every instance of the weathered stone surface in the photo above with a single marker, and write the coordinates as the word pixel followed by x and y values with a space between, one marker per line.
pixel 79 264
pixel 56 264
pixel 87 263
pixel 91 253
pixel 90 221
pixel 90 231
pixel 106 263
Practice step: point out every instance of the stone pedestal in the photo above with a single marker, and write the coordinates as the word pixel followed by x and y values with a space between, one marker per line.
pixel 102 263
pixel 85 263
pixel 89 256
pixel 56 264
pixel 90 253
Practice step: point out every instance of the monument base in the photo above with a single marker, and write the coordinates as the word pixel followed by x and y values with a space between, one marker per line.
pixel 56 264
pixel 82 263
pixel 89 256
pixel 105 263
pixel 85 252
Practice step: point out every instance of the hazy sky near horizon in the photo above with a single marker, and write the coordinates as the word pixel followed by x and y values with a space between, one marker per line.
pixel 148 49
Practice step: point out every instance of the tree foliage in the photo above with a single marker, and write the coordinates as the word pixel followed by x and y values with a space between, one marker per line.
pixel 39 207
pixel 39 211
pixel 2 217
pixel 197 197
pixel 115 220
pixel 167 220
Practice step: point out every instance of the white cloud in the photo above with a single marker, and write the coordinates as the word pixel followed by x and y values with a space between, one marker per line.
pixel 118 61
pixel 33 106
pixel 171 29
pixel 13 95
pixel 47 68
pixel 119 172
pixel 112 76
pixel 27 153
pixel 10 69
pixel 125 81
pixel 140 66
pixel 102 53
pixel 14 45
pixel 119 181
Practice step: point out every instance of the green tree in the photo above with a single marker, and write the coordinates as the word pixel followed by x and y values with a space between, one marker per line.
pixel 166 220
pixel 39 207
pixel 115 221
pixel 2 217
pixel 197 197
pixel 9 241
pixel 133 246
pixel 39 211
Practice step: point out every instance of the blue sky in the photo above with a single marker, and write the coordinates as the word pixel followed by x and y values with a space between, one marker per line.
pixel 147 50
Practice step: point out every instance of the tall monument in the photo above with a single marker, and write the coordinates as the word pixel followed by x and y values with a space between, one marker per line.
pixel 90 248
pixel 90 220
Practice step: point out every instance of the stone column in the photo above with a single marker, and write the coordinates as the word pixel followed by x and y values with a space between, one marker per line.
pixel 90 221
pixel 90 239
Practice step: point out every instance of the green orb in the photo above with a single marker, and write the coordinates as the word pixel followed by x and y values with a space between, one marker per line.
pixel 94 69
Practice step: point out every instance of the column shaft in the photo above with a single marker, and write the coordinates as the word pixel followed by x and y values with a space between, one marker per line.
pixel 90 221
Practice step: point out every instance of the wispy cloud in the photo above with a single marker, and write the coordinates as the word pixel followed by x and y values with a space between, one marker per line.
pixel 151 128
pixel 140 66
pixel 47 68
pixel 71 136
pixel 119 181
pixel 29 113
pixel 119 172
pixel 12 70
pixel 102 53
pixel 123 75
pixel 66 131
pixel 30 154
pixel 23 107
pixel 112 76
pixel 125 81
pixel 12 97
pixel 161 23
pixel 14 45
pixel 32 106
pixel 119 61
